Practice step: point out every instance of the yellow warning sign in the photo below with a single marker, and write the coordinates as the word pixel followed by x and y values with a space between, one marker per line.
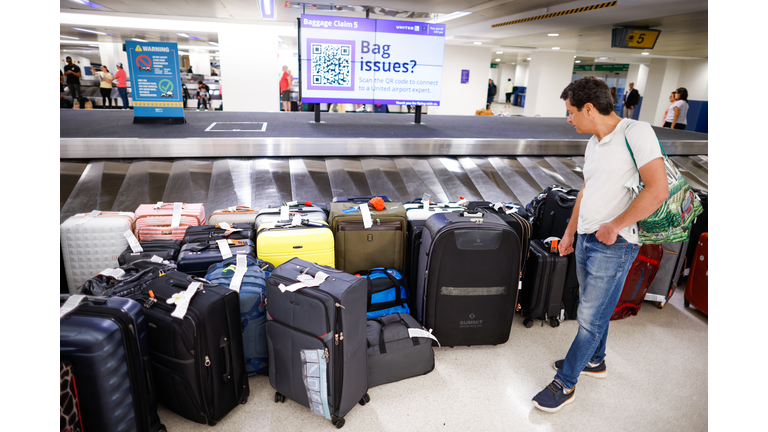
pixel 642 38
pixel 157 104
pixel 138 48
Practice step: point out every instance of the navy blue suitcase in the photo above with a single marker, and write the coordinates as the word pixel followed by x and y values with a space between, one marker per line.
pixel 106 342
pixel 195 258
pixel 195 234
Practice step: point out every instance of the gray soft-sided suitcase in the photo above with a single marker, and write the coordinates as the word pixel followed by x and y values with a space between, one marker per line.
pixel 316 338
pixel 392 354
pixel 670 269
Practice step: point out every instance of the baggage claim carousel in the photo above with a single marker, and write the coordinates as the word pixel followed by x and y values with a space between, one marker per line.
pixel 224 159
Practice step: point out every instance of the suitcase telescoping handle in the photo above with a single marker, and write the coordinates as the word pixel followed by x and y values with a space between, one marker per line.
pixel 225 346
pixel 361 198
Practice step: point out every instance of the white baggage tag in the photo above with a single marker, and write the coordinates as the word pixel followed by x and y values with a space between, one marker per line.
pixel 366 213
pixel 419 333
pixel 182 299
pixel 158 205
pixel 296 220
pixel 90 216
pixel 425 200
pixel 228 228
pixel 224 249
pixel 232 209
pixel 156 259
pixel 292 203
pixel 176 218
pixel 284 213
pixel 240 269
pixel 70 305
pixel 305 281
pixel 116 273
pixel 133 242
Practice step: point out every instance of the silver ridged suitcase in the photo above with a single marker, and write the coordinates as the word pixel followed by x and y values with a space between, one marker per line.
pixel 316 338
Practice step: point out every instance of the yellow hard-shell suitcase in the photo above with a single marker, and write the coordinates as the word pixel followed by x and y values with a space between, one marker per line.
pixel 311 241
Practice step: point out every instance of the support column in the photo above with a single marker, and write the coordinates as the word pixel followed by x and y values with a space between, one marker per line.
pixel 250 79
pixel 200 61
pixel 663 76
pixel 110 54
pixel 549 73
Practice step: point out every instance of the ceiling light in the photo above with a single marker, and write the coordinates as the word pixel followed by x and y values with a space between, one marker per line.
pixel 280 40
pixel 499 52
pixel 512 63
pixel 94 45
pixel 528 58
pixel 575 56
pixel 448 17
pixel 578 61
pixel 213 43
pixel 645 53
pixel 267 9
pixel 138 40
pixel 87 3
pixel 553 34
pixel 477 43
pixel 602 58
pixel 70 37
pixel 186 35
pixel 498 59
pixel 92 31
pixel 555 48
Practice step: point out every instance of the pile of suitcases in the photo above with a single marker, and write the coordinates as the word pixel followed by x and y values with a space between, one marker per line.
pixel 328 301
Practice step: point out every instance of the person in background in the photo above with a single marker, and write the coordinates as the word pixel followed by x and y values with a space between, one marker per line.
pixel 677 116
pixel 614 96
pixel 671 102
pixel 508 93
pixel 285 89
pixel 491 93
pixel 631 99
pixel 122 84
pixel 605 218
pixel 61 79
pixel 105 86
pixel 73 74
pixel 189 70
pixel 203 95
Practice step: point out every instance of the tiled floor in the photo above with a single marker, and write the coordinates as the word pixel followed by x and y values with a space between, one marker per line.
pixel 657 381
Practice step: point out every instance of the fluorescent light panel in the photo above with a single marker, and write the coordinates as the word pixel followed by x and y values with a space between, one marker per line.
pixel 138 40
pixel 448 17
pixel 186 35
pixel 87 3
pixel 70 37
pixel 267 9
pixel 92 31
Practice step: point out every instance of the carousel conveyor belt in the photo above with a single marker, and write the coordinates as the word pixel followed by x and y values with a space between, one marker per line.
pixel 456 159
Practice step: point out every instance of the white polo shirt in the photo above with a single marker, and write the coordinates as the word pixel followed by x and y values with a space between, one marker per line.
pixel 607 167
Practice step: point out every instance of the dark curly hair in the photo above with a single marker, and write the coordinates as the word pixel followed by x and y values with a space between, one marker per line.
pixel 683 92
pixel 589 89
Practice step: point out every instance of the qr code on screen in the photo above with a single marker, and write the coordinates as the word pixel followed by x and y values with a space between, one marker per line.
pixel 331 64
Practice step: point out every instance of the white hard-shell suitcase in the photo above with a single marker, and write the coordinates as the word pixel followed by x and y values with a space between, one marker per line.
pixel 91 242
pixel 272 215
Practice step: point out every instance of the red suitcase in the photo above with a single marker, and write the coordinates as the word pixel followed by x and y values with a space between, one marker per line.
pixel 696 291
pixel 640 277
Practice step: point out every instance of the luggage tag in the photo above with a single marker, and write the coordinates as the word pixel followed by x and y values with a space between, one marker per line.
pixel 224 249
pixel 284 213
pixel 420 333
pixel 305 281
pixel 228 229
pixel 88 217
pixel 116 273
pixel 133 242
pixel 240 269
pixel 351 210
pixel 296 220
pixel 462 202
pixel 182 299
pixel 425 200
pixel 313 373
pixel 176 218
pixel 366 214
pixel 70 305
pixel 552 242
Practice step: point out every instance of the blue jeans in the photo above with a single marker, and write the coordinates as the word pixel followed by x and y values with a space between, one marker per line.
pixel 601 270
pixel 123 91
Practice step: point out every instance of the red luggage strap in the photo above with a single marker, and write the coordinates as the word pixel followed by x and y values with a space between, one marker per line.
pixel 648 260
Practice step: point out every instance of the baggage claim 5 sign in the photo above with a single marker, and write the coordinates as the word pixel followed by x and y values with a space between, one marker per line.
pixel 155 81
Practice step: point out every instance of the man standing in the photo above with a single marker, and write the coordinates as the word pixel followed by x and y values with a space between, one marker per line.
pixel 631 99
pixel 122 85
pixel 491 93
pixel 72 72
pixel 285 89
pixel 605 218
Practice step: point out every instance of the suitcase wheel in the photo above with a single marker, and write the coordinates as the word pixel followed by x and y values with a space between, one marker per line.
pixel 686 303
pixel 212 423
pixel 279 398
pixel 365 400
pixel 554 322
pixel 337 421
pixel 661 305
pixel 162 428
pixel 528 323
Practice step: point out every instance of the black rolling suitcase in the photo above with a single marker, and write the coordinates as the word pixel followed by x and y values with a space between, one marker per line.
pixel 671 268
pixel 165 249
pixel 541 295
pixel 316 337
pixel 195 258
pixel 550 212
pixel 469 267
pixel 197 361
pixel 106 343
pixel 202 233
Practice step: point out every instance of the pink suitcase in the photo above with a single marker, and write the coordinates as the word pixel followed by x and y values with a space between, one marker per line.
pixel 167 221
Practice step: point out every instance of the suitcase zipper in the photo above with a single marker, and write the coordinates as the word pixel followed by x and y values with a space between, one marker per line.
pixel 379 226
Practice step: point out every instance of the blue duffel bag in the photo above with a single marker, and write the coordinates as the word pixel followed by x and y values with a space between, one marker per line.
pixel 252 306
pixel 387 292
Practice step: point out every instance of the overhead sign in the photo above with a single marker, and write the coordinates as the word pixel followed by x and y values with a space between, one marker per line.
pixel 155 82
pixel 635 38
pixel 358 60
pixel 601 68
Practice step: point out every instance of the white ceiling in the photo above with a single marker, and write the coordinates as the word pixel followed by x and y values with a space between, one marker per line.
pixel 683 23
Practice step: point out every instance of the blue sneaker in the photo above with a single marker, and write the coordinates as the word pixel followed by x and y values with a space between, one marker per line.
pixel 553 397
pixel 599 371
